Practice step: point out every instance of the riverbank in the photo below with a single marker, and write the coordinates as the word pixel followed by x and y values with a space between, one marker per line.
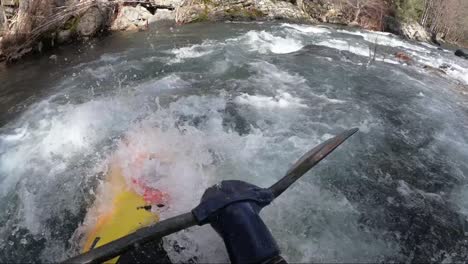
pixel 46 24
pixel 241 101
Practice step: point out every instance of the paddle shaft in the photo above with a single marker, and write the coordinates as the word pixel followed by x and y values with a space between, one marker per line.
pixel 180 222
pixel 141 236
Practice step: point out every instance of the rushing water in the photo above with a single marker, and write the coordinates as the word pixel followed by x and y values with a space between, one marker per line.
pixel 243 101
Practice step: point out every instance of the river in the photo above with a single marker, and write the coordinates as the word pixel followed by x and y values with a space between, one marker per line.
pixel 243 101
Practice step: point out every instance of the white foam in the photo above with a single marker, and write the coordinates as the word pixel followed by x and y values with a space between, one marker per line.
pixel 307 29
pixel 282 100
pixel 270 75
pixel 459 73
pixel 330 100
pixel 194 51
pixel 346 46
pixel 264 42
pixel 385 39
pixel 457 70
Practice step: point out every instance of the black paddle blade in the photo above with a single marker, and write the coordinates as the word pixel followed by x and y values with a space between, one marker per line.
pixel 308 161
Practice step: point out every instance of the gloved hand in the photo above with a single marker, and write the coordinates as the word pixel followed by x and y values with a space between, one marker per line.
pixel 233 208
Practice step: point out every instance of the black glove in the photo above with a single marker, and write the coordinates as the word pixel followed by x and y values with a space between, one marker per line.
pixel 232 208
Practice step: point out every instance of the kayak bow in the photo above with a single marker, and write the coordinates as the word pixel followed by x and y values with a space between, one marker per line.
pixel 183 221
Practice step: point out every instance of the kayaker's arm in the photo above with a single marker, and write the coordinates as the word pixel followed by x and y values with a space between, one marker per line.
pixel 232 208
pixel 218 206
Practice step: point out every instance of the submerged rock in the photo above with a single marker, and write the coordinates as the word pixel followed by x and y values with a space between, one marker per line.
pixel 438 71
pixel 403 57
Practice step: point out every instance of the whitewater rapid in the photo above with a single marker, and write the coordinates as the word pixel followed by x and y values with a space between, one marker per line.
pixel 244 101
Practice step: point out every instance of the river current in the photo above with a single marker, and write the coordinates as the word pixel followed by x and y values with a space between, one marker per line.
pixel 243 101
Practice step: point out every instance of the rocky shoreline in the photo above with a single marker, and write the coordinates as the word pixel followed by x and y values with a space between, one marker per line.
pixel 65 21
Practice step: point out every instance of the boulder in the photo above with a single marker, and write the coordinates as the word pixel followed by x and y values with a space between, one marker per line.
pixel 414 31
pixel 440 37
pixel 433 70
pixel 190 13
pixel 461 53
pixel 162 14
pixel 90 22
pixel 130 18
pixel 214 10
pixel 281 10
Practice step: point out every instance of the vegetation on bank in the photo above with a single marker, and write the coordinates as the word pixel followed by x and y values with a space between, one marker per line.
pixel 443 19
pixel 34 22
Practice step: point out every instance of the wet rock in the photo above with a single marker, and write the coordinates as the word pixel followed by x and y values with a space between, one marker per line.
pixel 53 57
pixel 132 27
pixel 445 66
pixel 438 71
pixel 403 57
pixel 414 31
pixel 90 22
pixel 131 18
pixel 461 53
pixel 64 36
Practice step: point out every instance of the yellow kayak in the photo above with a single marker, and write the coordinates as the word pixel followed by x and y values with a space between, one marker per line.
pixel 118 211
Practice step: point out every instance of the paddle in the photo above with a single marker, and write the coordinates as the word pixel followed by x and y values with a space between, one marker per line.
pixel 183 221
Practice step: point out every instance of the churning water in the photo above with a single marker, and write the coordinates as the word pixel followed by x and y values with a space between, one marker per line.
pixel 243 101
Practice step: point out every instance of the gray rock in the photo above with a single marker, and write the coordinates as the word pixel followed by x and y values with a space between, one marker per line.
pixel 440 37
pixel 173 3
pixel 2 20
pixel 414 31
pixel 130 18
pixel 90 22
pixel 239 10
pixel 282 10
pixel 162 14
